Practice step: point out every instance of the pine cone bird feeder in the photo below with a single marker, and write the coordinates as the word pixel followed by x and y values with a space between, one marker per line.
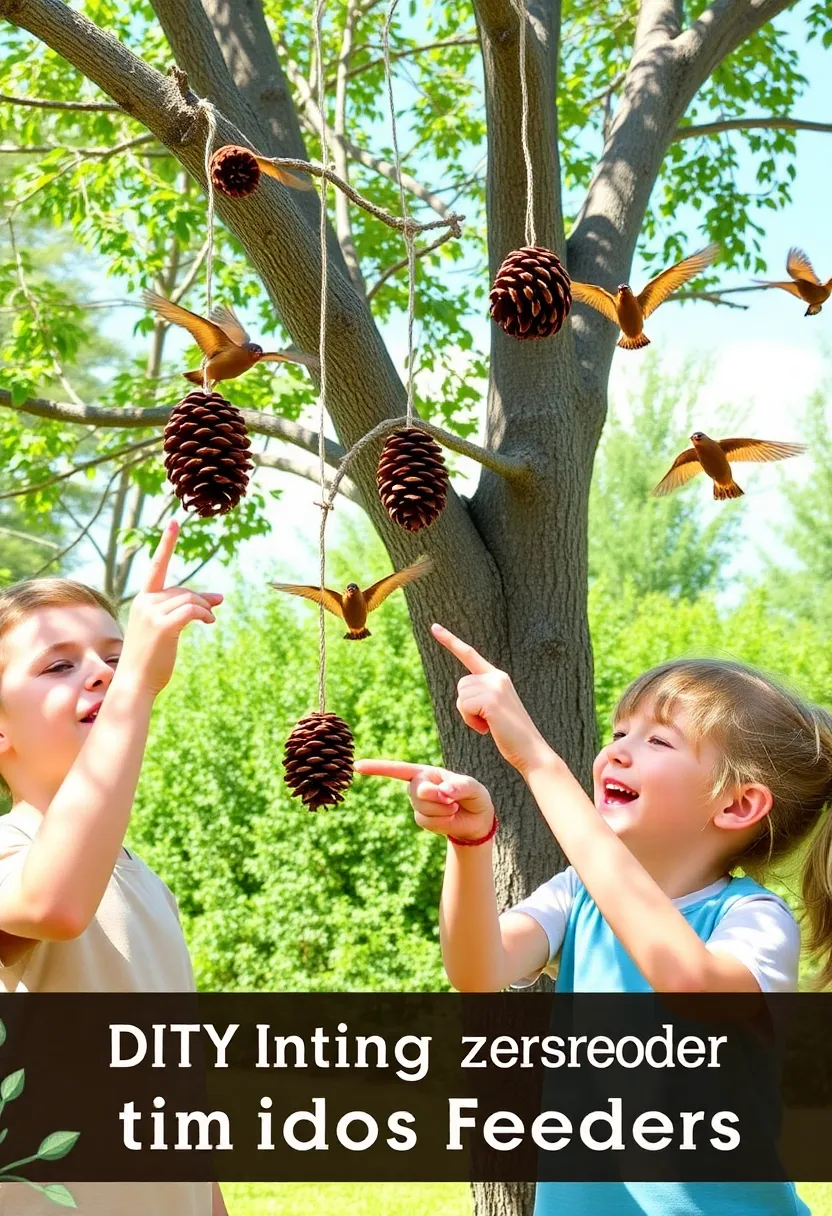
pixel 206 453
pixel 412 478
pixel 235 171
pixel 319 760
pixel 532 294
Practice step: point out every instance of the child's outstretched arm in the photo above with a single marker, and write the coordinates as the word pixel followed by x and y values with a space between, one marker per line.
pixel 57 890
pixel 661 943
pixel 481 951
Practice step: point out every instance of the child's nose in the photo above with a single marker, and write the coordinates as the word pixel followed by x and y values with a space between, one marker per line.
pixel 618 752
pixel 100 673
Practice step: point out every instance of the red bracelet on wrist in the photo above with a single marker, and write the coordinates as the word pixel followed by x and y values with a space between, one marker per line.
pixel 482 839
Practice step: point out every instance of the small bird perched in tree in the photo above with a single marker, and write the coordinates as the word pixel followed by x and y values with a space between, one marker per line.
pixel 714 456
pixel 629 311
pixel 355 605
pixel 805 283
pixel 223 340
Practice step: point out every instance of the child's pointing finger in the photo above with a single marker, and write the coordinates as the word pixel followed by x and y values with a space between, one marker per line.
pixel 464 651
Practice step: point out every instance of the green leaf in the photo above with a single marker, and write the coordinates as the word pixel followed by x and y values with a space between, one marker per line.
pixel 12 1085
pixel 57 1145
pixel 3 1134
pixel 60 1195
pixel 2 1032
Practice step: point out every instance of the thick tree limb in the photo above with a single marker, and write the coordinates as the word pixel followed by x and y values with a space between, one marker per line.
pixel 751 124
pixel 719 31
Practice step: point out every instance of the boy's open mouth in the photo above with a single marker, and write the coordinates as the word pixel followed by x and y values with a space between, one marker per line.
pixel 618 794
pixel 92 715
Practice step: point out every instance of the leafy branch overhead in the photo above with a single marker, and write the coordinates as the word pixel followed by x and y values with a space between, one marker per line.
pixel 107 170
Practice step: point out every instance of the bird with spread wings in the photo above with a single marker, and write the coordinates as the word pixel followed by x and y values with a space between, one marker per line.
pixel 225 344
pixel 715 456
pixel 804 283
pixel 355 605
pixel 629 311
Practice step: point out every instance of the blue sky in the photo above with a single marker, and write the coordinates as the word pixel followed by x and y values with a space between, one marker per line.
pixel 764 362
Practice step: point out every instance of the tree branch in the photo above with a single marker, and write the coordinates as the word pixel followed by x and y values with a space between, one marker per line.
pixel 402 262
pixel 751 124
pixel 157 415
pixel 44 103
pixel 127 450
pixel 343 216
pixel 308 470
pixel 408 53
pixel 718 31
pixel 312 121
pixel 658 21
pixel 41 149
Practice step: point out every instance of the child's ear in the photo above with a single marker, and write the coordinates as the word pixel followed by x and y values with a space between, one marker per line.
pixel 750 805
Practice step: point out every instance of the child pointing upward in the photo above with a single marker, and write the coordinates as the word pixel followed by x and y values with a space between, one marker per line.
pixel 711 765
pixel 78 913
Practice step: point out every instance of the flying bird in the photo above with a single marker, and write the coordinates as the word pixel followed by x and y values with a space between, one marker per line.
pixel 222 340
pixel 355 605
pixel 714 457
pixel 629 311
pixel 804 283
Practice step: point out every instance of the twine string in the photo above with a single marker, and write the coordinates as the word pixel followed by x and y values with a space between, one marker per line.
pixel 325 506
pixel 408 228
pixel 519 7
pixel 210 138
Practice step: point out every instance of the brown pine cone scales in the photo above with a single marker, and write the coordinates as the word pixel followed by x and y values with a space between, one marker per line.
pixel 235 171
pixel 532 294
pixel 319 760
pixel 412 478
pixel 206 453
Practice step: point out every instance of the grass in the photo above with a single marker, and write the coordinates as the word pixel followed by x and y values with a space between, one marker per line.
pixel 396 1198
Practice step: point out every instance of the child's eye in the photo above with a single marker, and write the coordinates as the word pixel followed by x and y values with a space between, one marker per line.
pixel 57 668
pixel 617 734
pixel 114 659
pixel 656 739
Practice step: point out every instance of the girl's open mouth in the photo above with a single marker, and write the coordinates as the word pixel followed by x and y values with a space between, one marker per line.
pixel 618 794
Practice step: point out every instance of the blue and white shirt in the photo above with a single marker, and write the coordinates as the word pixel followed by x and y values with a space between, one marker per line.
pixel 734 916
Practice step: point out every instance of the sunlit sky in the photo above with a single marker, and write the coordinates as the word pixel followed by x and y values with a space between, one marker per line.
pixel 764 362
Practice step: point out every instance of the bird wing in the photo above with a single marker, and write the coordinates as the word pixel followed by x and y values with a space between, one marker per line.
pixel 331 600
pixel 291 356
pixel 668 281
pixel 379 591
pixel 230 324
pixel 759 449
pixel 788 285
pixel 597 298
pixel 685 466
pixel 284 176
pixel 799 266
pixel 211 338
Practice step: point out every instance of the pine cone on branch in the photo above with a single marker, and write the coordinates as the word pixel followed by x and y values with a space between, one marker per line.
pixel 206 453
pixel 319 760
pixel 412 478
pixel 235 171
pixel 532 294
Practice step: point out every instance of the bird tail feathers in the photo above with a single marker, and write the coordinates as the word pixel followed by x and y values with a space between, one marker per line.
pixel 357 637
pixel 634 343
pixel 813 310
pixel 195 377
pixel 732 490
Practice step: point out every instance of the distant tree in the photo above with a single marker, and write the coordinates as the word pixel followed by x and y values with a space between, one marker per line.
pixel 666 544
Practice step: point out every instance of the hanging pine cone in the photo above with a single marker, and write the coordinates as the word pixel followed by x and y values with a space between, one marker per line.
pixel 532 295
pixel 412 478
pixel 235 171
pixel 318 760
pixel 206 453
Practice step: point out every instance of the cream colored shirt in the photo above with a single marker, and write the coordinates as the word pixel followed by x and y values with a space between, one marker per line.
pixel 134 944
